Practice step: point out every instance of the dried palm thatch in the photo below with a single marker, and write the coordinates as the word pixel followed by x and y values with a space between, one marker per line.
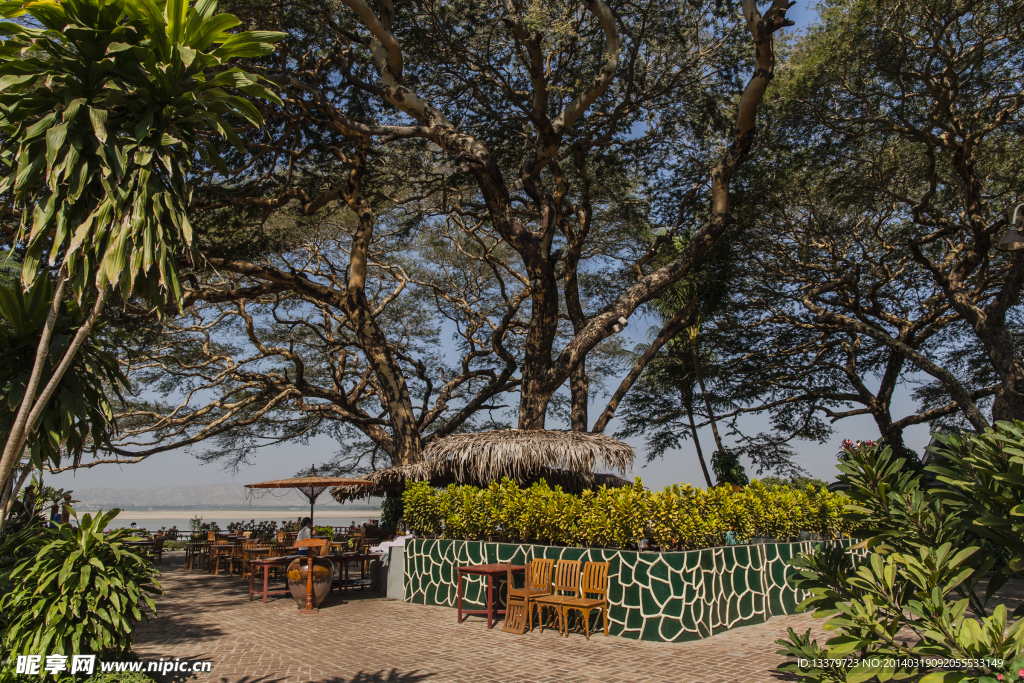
pixel 393 479
pixel 505 452
pixel 566 459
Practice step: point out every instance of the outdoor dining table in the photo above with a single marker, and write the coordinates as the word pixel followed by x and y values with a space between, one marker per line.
pixel 492 572
pixel 254 553
pixel 215 551
pixel 138 544
pixel 266 564
pixel 345 558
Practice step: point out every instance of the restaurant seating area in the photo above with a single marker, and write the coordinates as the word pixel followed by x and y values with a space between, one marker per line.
pixel 263 560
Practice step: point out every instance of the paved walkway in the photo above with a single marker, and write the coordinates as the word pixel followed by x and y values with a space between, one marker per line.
pixel 368 638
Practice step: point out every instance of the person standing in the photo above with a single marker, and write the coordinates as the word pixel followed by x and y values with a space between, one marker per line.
pixel 305 532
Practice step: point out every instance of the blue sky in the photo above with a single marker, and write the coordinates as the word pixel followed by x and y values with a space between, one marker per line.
pixel 181 468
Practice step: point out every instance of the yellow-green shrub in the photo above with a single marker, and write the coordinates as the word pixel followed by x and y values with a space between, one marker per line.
pixel 681 517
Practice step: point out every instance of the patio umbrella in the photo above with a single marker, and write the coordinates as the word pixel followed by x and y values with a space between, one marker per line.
pixel 561 458
pixel 311 487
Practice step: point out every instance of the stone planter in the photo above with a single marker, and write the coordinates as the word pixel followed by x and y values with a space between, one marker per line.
pixel 658 596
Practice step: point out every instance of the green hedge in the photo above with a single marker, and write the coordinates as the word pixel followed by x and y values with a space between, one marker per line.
pixel 681 517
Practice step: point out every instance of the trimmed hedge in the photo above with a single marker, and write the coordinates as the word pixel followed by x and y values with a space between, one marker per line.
pixel 681 517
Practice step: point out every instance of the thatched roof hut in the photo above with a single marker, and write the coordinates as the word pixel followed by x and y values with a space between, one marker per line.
pixel 565 459
pixel 393 479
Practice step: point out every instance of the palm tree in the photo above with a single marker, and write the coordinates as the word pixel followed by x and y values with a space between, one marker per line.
pixel 104 107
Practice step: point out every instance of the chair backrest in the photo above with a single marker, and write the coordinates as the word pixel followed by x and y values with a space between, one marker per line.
pixel 595 579
pixel 211 535
pixel 312 543
pixel 158 544
pixel 567 577
pixel 540 574
pixel 250 544
pixel 278 550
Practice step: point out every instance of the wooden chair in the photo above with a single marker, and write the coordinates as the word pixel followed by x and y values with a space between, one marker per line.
pixel 537 584
pixel 237 557
pixel 566 584
pixel 593 583
pixel 311 543
pixel 217 555
pixel 196 552
pixel 246 547
pixel 157 551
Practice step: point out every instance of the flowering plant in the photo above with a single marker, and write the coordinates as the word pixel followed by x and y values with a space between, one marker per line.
pixel 851 446
pixel 261 528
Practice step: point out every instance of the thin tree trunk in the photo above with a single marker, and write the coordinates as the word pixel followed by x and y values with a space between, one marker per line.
pixel 704 393
pixel 19 430
pixel 579 388
pixel 69 356
pixel 696 442
pixel 14 490
pixel 677 322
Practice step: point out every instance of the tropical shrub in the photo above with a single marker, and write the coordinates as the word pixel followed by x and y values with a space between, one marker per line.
pixel 917 598
pixel 680 517
pixel 82 592
pixel 391 511
pixel 119 677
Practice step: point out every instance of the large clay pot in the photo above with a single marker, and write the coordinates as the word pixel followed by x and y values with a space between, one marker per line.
pixel 323 576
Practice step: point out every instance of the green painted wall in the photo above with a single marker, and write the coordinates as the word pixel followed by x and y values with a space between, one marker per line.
pixel 652 596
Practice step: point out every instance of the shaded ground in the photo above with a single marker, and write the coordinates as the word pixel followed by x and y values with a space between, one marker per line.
pixel 369 639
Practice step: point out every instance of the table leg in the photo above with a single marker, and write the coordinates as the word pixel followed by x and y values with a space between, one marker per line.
pixel 266 574
pixel 252 575
pixel 490 601
pixel 459 598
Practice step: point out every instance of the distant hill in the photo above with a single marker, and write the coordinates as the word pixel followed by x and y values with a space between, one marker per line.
pixel 202 497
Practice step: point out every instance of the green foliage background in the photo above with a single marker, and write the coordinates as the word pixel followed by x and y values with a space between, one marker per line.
pixel 80 592
pixel 681 517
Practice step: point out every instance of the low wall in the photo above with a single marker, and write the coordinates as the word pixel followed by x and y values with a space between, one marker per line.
pixel 664 597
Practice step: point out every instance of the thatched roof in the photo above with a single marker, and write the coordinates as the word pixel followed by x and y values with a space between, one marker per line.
pixel 566 459
pixel 393 480
pixel 491 455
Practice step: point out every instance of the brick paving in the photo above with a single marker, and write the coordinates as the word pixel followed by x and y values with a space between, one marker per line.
pixel 367 638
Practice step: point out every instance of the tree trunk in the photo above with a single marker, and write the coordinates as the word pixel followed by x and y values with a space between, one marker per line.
pixel 11 491
pixel 696 441
pixel 408 446
pixel 19 430
pixel 703 392
pixel 580 390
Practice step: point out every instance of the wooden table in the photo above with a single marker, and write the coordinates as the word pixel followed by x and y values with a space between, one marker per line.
pixel 215 551
pixel 491 571
pixel 345 558
pixel 249 554
pixel 267 564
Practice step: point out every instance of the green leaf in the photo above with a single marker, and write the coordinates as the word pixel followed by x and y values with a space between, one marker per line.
pixel 98 117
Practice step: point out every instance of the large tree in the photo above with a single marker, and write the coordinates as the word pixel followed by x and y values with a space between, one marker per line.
pixel 513 170
pixel 905 124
